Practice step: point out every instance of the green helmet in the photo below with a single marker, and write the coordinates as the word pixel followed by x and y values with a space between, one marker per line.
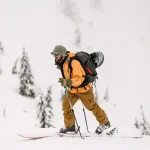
pixel 59 49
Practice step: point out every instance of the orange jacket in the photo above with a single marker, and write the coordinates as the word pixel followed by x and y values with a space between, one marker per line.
pixel 76 75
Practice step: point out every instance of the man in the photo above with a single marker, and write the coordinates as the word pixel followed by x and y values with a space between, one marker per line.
pixel 78 88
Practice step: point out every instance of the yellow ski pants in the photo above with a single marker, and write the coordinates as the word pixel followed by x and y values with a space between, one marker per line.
pixel 88 101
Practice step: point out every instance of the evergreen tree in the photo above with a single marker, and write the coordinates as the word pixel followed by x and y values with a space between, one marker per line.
pixel 14 69
pixel 142 124
pixel 1 52
pixel 96 95
pixel 97 4
pixel 0 71
pixel 48 108
pixel 4 112
pixel 136 123
pixel 26 77
pixel 1 48
pixel 77 37
pixel 40 111
pixel 106 96
pixel 44 110
pixel 70 9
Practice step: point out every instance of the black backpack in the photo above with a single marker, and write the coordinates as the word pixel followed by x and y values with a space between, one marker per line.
pixel 89 62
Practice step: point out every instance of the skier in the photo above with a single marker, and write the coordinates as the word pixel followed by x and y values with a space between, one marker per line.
pixel 77 89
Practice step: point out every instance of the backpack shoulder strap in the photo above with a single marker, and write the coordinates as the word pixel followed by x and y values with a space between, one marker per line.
pixel 69 64
pixel 71 59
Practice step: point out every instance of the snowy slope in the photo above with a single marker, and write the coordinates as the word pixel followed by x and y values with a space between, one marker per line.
pixel 20 118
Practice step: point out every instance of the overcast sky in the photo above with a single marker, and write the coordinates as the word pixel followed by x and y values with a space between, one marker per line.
pixel 120 29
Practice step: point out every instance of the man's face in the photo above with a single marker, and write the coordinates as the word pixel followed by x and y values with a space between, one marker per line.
pixel 58 57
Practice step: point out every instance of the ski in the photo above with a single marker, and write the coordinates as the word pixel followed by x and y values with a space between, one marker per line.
pixel 111 133
pixel 35 137
pixel 98 136
pixel 93 135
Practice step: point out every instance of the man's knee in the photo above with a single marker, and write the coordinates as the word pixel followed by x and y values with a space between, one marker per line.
pixel 90 106
pixel 65 104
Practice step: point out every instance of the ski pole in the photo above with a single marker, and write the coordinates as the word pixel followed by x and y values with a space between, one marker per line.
pixel 66 91
pixel 85 119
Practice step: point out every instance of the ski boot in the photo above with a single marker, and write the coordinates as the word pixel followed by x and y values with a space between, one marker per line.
pixel 102 127
pixel 69 129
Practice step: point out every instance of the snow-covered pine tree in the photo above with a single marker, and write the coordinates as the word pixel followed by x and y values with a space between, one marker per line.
pixel 26 78
pixel 1 48
pixel 1 52
pixel 48 109
pixel 4 112
pixel 69 8
pixel 40 111
pixel 0 70
pixel 142 124
pixel 96 95
pixel 14 69
pixel 44 110
pixel 97 4
pixel 77 37
pixel 136 123
pixel 106 96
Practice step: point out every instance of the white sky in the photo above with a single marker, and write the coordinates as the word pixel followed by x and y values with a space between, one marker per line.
pixel 120 30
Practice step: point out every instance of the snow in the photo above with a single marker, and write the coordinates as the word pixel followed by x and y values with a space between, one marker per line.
pixel 120 29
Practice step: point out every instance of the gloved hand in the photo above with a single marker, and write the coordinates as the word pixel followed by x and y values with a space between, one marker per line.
pixel 65 82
